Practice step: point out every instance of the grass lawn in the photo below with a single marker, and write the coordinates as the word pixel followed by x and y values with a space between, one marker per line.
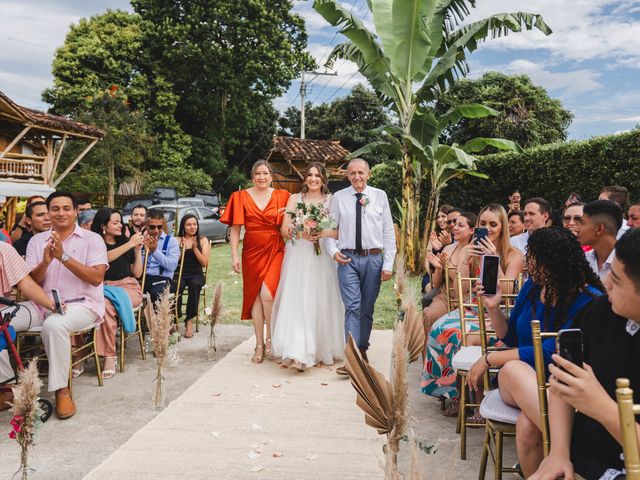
pixel 220 270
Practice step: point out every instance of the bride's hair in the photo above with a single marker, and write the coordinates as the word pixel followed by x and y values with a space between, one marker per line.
pixel 323 176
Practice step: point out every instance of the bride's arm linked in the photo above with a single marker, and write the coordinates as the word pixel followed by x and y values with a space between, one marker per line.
pixel 287 224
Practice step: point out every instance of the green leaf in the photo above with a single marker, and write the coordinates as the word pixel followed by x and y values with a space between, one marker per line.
pixel 424 127
pixel 454 156
pixel 388 147
pixel 469 110
pixel 389 129
pixel 478 144
pixel 413 36
pixel 383 20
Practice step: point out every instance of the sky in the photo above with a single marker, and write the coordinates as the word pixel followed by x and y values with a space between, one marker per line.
pixel 589 62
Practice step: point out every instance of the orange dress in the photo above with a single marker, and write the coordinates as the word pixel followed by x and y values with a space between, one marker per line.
pixel 262 247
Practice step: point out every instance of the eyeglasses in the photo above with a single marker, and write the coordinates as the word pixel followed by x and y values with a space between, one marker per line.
pixel 451 222
pixel 154 227
pixel 569 218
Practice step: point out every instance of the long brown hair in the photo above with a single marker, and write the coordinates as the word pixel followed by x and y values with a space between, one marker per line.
pixel 503 243
pixel 323 176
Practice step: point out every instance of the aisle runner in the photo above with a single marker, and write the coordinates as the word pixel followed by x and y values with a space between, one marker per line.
pixel 241 421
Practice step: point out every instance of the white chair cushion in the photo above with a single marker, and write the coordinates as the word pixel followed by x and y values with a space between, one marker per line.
pixel 465 357
pixel 493 408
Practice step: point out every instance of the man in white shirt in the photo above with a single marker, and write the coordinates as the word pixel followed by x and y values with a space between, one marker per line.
pixel 536 215
pixel 365 250
pixel 601 221
pixel 619 195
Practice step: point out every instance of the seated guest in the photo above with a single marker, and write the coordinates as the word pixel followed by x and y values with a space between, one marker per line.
pixel 14 271
pixel 444 341
pixel 620 195
pixel 73 261
pixel 572 217
pixel 537 212
pixel 633 218
pixel 84 205
pixel 164 255
pixel 516 223
pixel 437 242
pixel 37 221
pixel 21 228
pixel 138 217
pixel 453 254
pixel 601 220
pixel 560 284
pixel 85 219
pixel 196 257
pixel 514 202
pixel 122 290
pixel 584 422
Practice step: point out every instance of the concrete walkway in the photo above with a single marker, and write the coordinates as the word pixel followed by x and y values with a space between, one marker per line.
pixel 241 420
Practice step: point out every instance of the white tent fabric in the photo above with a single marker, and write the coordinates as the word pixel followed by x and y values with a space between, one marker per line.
pixel 19 189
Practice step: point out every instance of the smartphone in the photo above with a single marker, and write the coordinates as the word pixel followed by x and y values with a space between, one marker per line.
pixel 57 301
pixel 489 274
pixel 479 233
pixel 570 345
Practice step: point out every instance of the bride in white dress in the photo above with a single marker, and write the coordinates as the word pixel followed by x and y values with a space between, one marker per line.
pixel 307 326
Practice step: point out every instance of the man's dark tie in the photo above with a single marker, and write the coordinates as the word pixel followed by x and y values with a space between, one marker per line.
pixel 358 222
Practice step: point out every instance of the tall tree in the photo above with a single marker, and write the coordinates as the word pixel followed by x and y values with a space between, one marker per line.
pixel 227 60
pixel 119 156
pixel 106 50
pixel 418 50
pixel 350 119
pixel 527 114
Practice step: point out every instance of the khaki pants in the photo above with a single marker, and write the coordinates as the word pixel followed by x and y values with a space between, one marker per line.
pixel 55 337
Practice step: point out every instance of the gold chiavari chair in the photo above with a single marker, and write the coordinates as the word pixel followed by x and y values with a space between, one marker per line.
pixel 500 418
pixel 204 289
pixel 541 380
pixel 450 287
pixel 627 412
pixel 180 265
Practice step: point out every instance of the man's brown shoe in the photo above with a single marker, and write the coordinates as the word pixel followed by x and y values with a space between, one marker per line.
pixel 342 371
pixel 65 408
pixel 5 399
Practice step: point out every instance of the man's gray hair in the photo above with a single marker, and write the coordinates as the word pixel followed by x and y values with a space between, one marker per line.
pixel 358 160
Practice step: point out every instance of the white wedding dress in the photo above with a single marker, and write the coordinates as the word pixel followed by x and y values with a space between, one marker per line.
pixel 307 324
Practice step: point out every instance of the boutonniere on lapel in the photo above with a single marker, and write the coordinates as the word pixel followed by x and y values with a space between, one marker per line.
pixel 364 201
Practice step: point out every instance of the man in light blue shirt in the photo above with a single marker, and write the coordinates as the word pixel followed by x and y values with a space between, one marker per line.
pixel 163 258
pixel 365 250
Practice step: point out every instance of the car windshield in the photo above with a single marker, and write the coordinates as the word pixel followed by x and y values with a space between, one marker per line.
pixel 209 199
pixel 169 215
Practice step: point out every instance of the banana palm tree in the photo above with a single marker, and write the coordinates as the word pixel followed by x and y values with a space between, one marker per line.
pixel 418 50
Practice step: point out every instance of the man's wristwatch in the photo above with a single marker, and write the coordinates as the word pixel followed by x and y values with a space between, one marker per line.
pixel 64 257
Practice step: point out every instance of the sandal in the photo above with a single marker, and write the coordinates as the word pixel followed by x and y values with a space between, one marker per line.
pixel 109 372
pixel 188 328
pixel 258 358
pixel 452 409
pixel 77 371
pixel 476 418
pixel 268 348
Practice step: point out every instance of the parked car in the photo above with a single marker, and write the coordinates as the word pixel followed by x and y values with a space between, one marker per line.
pixel 210 225
pixel 211 199
pixel 193 201
pixel 164 194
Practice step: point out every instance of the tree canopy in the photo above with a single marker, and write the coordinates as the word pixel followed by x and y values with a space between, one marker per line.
pixel 350 119
pixel 527 114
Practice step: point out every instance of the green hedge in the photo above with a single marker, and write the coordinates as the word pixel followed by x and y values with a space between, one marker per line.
pixel 551 171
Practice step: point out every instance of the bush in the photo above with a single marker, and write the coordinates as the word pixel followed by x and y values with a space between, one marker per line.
pixel 553 171
pixel 184 179
pixel 388 177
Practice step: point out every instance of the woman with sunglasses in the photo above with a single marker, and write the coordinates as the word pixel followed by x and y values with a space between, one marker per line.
pixel 196 257
pixel 572 219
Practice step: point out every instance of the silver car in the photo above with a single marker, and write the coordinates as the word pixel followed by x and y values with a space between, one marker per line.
pixel 210 225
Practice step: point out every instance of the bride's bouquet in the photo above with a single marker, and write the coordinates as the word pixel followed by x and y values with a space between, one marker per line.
pixel 311 218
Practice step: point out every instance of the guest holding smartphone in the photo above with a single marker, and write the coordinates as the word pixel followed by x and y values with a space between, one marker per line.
pixel 122 290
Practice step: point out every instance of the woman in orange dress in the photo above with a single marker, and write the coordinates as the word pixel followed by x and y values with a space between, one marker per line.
pixel 260 210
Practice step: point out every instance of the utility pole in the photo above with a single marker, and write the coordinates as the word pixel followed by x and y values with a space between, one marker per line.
pixel 303 91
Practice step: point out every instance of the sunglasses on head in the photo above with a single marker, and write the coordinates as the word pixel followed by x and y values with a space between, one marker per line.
pixel 154 227
pixel 575 218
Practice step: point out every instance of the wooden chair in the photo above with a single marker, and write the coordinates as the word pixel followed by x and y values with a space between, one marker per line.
pixel 627 412
pixel 88 349
pixel 180 265
pixel 500 418
pixel 541 380
pixel 204 289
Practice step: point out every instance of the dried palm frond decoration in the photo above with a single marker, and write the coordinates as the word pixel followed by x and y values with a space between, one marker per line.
pixel 26 412
pixel 412 324
pixel 161 322
pixel 400 395
pixel 214 317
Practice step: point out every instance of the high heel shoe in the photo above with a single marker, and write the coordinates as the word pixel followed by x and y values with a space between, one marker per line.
pixel 267 351
pixel 258 358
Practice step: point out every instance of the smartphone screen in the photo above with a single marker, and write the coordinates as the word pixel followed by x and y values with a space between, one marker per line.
pixel 570 345
pixel 479 233
pixel 489 274
pixel 56 299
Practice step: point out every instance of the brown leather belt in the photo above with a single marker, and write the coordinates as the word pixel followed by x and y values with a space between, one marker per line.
pixel 363 253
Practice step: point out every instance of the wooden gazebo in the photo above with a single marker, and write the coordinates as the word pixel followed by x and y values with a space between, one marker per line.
pixel 290 156
pixel 31 143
